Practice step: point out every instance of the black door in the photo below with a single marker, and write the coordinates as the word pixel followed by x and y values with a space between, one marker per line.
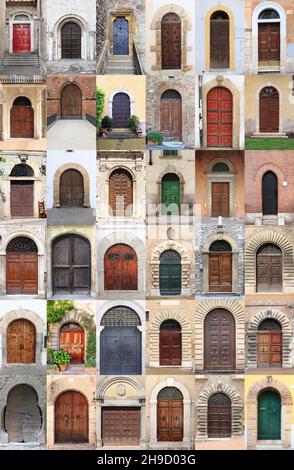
pixel 121 110
pixel 269 194
pixel 120 36
pixel 170 273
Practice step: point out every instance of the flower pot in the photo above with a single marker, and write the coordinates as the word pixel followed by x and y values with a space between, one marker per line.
pixel 151 142
pixel 62 367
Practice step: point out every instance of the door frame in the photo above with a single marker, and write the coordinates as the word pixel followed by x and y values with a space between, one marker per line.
pixel 231 36
pixel 219 177
pixel 13 21
pixel 111 98
pixel 60 100
pixel 257 106
pixel 128 15
pixel 233 342
pixel 66 390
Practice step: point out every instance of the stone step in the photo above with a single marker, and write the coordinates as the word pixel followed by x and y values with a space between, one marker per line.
pixel 277 135
pixel 21 59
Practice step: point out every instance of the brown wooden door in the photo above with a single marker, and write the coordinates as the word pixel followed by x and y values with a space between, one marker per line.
pixel 220 199
pixel 170 344
pixel 121 110
pixel 71 39
pixel 121 426
pixel 219 41
pixel 120 268
pixel 269 269
pixel 269 43
pixel 22 273
pixel 21 122
pixel 171 48
pixel 171 115
pixel 269 349
pixel 72 340
pixel 21 342
pixel 269 110
pixel 21 38
pixel 219 416
pixel 71 189
pixel 71 102
pixel 219 340
pixel 169 420
pixel 22 420
pixel 220 272
pixel 121 193
pixel 219 117
pixel 71 418
pixel 22 199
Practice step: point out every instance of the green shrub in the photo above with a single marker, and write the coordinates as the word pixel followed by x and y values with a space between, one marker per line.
pixel 107 122
pixel 61 357
pixel 91 347
pixel 56 310
pixel 155 137
pixel 100 99
pixel 133 123
pixel 50 356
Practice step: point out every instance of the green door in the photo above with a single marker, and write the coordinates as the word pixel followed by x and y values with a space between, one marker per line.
pixel 269 415
pixel 171 193
pixel 170 273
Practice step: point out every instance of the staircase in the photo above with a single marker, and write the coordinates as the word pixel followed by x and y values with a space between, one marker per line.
pixel 120 65
pixel 24 60
pixel 121 134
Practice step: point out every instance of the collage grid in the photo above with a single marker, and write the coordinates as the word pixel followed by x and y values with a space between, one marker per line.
pixel 147 224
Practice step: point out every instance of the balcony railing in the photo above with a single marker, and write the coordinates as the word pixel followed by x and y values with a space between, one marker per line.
pixel 28 79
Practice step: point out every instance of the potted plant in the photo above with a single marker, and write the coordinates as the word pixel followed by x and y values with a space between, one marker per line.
pixel 154 138
pixel 90 365
pixel 106 125
pixel 133 123
pixel 62 359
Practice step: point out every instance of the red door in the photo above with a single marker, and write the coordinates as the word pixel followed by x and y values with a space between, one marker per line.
pixel 72 340
pixel 120 268
pixel 21 38
pixel 219 117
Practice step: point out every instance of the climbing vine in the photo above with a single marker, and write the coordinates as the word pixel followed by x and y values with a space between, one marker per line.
pixel 100 99
pixel 57 309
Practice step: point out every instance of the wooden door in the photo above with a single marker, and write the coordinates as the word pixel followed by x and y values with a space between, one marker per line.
pixel 170 344
pixel 269 269
pixel 71 102
pixel 269 415
pixel 21 266
pixel 219 40
pixel 171 193
pixel 22 420
pixel 121 351
pixel 219 340
pixel 121 110
pixel 171 115
pixel 269 43
pixel 72 340
pixel 120 36
pixel 71 189
pixel 219 117
pixel 220 199
pixel 71 39
pixel 71 418
pixel 22 198
pixel 121 193
pixel 21 342
pixel 71 265
pixel 219 416
pixel 121 426
pixel 170 273
pixel 269 110
pixel 269 194
pixel 220 267
pixel 170 417
pixel 21 38
pixel 269 343
pixel 171 40
pixel 21 122
pixel 120 268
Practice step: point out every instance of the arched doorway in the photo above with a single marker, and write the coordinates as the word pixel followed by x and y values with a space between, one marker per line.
pixel 220 191
pixel 71 102
pixel 22 119
pixel 170 417
pixel 121 110
pixel 219 340
pixel 170 273
pixel 269 415
pixel 170 343
pixel 269 110
pixel 121 193
pixel 21 41
pixel 71 418
pixel 269 194
pixel 71 189
pixel 120 36
pixel 21 342
pixel 220 267
pixel 219 40
pixel 269 268
pixel 269 343
pixel 72 341
pixel 71 41
pixel 71 265
pixel 22 419
pixel 171 41
pixel 21 191
pixel 120 268
pixel 219 416
pixel 121 342
pixel 269 37
pixel 21 266
pixel 171 114
pixel 171 193
pixel 219 117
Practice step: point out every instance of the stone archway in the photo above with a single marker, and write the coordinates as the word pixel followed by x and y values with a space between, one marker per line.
pixel 202 407
pixel 252 330
pixel 56 180
pixel 252 407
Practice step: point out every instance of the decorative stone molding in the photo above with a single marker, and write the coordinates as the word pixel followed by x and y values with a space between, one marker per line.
pixel 56 183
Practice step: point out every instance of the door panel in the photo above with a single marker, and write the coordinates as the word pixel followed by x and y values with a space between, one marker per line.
pixel 269 416
pixel 121 426
pixel 268 42
pixel 21 38
pixel 71 189
pixel 219 418
pixel 219 44
pixel 220 272
pixel 269 194
pixel 72 340
pixel 171 41
pixel 21 122
pixel 121 193
pixel 120 36
pixel 21 342
pixel 171 192
pixel 220 199
pixel 22 199
pixel 219 339
pixel 269 110
pixel 269 273
pixel 71 102
pixel 219 117
pixel 121 351
pixel 71 418
pixel 171 118
pixel 169 420
pixel 71 41
pixel 22 273
pixel 121 110
pixel 269 349
pixel 120 268
pixel 170 348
